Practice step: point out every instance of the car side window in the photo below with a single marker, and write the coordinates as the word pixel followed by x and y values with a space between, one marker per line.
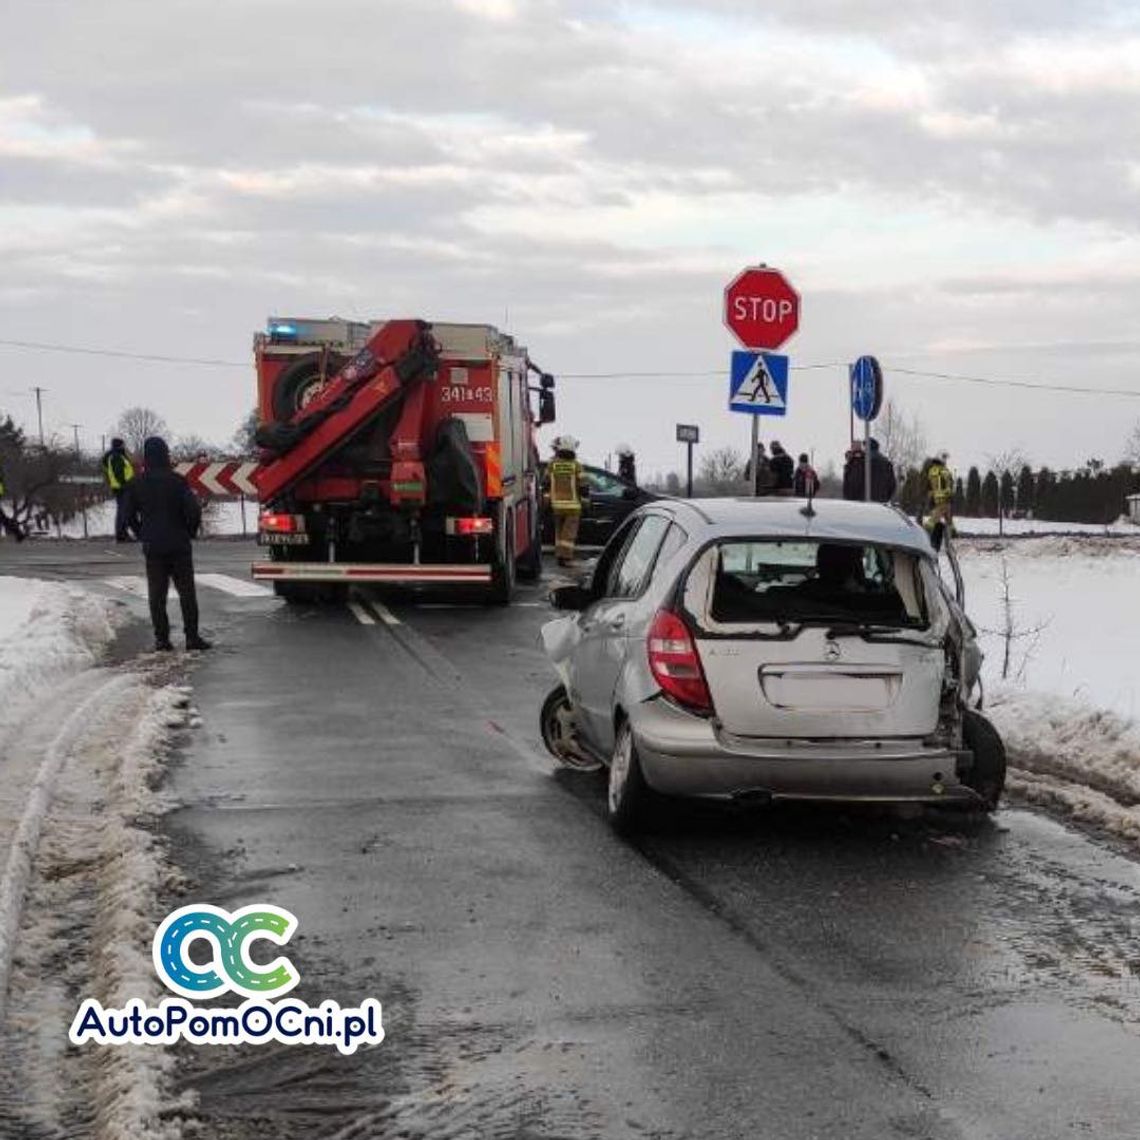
pixel 602 483
pixel 675 538
pixel 611 553
pixel 631 572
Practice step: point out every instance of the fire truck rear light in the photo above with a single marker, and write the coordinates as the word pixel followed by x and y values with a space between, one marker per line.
pixel 469 526
pixel 282 524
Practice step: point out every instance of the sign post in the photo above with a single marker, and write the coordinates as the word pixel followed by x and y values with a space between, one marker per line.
pixel 688 434
pixel 762 310
pixel 866 400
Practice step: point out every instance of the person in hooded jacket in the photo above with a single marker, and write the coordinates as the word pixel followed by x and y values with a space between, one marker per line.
pixel 166 516
pixel 783 469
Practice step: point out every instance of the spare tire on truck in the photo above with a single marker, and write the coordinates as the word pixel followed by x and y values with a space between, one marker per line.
pixel 453 475
pixel 302 381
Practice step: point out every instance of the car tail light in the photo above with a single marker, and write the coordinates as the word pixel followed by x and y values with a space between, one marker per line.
pixel 675 664
pixel 469 526
pixel 282 524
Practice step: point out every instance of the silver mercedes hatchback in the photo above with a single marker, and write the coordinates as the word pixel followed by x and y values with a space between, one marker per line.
pixel 770 649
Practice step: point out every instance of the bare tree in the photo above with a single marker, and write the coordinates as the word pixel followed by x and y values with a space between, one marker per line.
pixel 901 438
pixel 194 447
pixel 136 425
pixel 1011 632
pixel 1132 446
pixel 244 443
pixel 721 471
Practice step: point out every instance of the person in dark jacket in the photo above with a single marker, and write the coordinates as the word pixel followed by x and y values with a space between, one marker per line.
pixel 783 469
pixel 165 515
pixel 118 470
pixel 883 481
pixel 805 482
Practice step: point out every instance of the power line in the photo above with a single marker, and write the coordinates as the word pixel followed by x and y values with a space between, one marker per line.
pixel 40 346
pixel 917 373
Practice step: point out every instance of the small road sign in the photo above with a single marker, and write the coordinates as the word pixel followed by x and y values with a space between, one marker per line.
pixel 688 433
pixel 227 477
pixel 866 388
pixel 761 309
pixel 758 384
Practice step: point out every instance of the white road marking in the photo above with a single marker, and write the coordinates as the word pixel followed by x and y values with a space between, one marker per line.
pixel 136 584
pixel 385 614
pixel 236 586
pixel 361 614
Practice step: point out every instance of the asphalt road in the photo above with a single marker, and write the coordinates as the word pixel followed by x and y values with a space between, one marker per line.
pixel 789 974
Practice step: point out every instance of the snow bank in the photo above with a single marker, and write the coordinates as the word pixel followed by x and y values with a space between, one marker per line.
pixel 47 632
pixel 1069 711
pixel 1042 526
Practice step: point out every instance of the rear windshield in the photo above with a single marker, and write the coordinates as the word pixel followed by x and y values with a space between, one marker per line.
pixel 768 580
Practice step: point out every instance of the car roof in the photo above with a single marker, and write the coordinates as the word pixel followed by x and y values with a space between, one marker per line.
pixel 836 520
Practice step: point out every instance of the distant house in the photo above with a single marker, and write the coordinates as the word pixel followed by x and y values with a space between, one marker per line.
pixel 1133 502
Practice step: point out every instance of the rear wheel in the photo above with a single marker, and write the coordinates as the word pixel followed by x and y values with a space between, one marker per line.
pixel 503 571
pixel 556 722
pixel 630 800
pixel 987 776
pixel 530 564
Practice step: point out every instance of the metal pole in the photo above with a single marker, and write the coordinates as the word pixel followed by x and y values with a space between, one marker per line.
pixel 40 411
pixel 689 478
pixel 755 449
pixel 867 460
pixel 75 428
pixel 243 530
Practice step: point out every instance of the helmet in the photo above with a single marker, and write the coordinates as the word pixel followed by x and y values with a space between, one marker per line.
pixel 624 449
pixel 565 443
pixel 117 442
pixel 944 456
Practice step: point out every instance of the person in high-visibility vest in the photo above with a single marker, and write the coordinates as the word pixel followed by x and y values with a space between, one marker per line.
pixel 939 488
pixel 118 470
pixel 566 488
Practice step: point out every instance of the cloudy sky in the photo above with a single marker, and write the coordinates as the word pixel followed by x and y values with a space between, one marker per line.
pixel 952 187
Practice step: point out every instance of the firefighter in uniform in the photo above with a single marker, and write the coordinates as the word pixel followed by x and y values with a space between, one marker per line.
pixel 119 471
pixel 939 497
pixel 566 486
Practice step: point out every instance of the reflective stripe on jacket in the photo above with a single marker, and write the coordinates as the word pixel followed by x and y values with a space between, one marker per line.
pixel 118 474
pixel 564 475
pixel 941 483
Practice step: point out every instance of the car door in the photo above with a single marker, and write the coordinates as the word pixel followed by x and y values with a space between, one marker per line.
pixel 606 507
pixel 601 652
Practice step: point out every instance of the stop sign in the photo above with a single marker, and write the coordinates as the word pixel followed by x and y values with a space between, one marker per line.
pixel 760 308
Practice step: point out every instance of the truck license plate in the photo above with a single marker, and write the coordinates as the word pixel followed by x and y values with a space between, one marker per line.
pixel 282 539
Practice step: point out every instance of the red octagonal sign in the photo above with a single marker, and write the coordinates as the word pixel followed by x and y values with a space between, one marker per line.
pixel 760 308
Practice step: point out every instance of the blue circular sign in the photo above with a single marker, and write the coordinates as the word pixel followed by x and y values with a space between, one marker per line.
pixel 866 387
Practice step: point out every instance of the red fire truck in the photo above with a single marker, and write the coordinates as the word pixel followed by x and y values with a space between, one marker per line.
pixel 397 452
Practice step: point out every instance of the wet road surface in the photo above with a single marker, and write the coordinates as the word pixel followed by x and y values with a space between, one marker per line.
pixel 791 973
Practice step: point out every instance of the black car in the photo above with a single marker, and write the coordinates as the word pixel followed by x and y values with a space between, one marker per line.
pixel 611 499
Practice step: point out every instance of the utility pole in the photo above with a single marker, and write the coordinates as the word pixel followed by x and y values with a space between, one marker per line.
pixel 75 428
pixel 40 411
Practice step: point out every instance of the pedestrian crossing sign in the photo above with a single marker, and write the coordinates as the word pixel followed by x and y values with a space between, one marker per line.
pixel 758 384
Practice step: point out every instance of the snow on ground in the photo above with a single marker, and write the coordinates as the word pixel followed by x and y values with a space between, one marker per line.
pixel 1069 709
pixel 81 748
pixel 48 631
pixel 1019 527
pixel 222 517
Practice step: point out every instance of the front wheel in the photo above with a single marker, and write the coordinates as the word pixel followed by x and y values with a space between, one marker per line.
pixel 630 801
pixel 987 776
pixel 559 734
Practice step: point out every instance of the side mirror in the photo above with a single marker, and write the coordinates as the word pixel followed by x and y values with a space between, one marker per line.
pixel 629 492
pixel 570 598
pixel 546 406
pixel 546 381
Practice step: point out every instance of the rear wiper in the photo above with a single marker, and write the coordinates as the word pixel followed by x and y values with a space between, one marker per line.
pixel 786 631
pixel 877 633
